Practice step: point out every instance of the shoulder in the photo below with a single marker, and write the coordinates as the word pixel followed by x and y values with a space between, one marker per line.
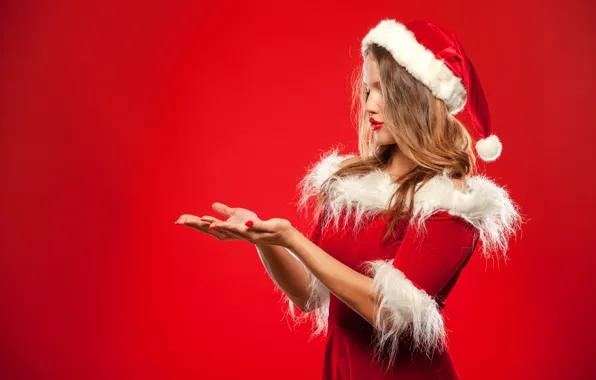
pixel 318 172
pixel 478 201
pixel 475 198
pixel 324 167
pixel 447 225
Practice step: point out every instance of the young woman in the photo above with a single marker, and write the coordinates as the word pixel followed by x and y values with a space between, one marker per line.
pixel 396 224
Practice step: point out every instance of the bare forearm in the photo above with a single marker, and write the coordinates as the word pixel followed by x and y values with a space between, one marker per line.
pixel 351 287
pixel 288 273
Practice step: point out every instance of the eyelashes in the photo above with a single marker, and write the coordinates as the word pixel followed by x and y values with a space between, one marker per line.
pixel 367 93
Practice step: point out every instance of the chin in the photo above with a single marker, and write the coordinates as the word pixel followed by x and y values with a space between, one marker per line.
pixel 380 139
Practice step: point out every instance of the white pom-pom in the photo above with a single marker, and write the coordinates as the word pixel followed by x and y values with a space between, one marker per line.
pixel 489 149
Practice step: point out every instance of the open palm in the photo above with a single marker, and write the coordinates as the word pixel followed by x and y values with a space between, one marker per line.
pixel 236 215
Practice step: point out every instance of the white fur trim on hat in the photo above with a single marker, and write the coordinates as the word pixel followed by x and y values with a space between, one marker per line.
pixel 418 61
pixel 486 205
pixel 490 148
pixel 404 311
pixel 317 304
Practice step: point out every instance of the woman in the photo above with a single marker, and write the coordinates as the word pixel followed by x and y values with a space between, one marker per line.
pixel 396 224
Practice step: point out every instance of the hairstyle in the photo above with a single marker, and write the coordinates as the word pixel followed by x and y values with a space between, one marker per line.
pixel 423 128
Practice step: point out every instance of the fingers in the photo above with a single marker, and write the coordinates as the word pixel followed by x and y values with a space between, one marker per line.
pixel 210 219
pixel 221 234
pixel 222 209
pixel 259 225
pixel 247 233
pixel 211 223
pixel 235 228
pixel 203 225
pixel 256 231
pixel 244 229
pixel 231 235
pixel 195 221
pixel 189 220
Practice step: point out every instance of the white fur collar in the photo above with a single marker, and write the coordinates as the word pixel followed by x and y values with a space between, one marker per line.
pixel 486 206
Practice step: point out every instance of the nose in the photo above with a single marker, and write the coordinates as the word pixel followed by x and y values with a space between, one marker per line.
pixel 371 106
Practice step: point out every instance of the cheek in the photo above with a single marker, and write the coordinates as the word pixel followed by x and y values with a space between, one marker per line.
pixel 384 137
pixel 380 102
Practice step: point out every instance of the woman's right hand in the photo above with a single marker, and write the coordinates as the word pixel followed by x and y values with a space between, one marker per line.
pixel 233 215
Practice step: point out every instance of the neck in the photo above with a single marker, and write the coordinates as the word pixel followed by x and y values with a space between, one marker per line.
pixel 399 164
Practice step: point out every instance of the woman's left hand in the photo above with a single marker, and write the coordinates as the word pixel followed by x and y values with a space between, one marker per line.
pixel 274 231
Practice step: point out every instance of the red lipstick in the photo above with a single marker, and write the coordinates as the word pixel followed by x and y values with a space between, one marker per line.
pixel 374 124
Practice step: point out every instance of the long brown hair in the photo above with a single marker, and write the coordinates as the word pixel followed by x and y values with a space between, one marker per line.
pixel 422 127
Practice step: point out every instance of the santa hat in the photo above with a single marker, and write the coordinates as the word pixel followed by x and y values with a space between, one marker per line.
pixel 435 57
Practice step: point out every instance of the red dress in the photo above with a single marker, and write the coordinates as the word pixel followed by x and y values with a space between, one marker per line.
pixel 433 266
pixel 413 271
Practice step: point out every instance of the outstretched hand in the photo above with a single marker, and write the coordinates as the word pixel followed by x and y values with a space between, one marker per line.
pixel 275 231
pixel 206 225
pixel 241 224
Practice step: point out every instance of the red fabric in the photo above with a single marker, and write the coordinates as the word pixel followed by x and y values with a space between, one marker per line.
pixel 447 47
pixel 432 261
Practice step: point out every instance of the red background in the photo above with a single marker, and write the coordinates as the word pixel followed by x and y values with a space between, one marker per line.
pixel 117 117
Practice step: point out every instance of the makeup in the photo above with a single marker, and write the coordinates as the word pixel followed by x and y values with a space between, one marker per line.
pixel 374 124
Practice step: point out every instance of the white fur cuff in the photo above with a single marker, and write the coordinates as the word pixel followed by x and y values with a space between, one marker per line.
pixel 404 310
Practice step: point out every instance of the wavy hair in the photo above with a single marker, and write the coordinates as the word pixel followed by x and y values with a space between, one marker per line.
pixel 424 131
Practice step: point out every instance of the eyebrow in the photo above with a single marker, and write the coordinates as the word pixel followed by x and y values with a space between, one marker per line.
pixel 374 83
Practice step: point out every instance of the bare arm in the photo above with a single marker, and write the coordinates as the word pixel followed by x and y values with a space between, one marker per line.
pixel 285 269
pixel 287 272
pixel 352 288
